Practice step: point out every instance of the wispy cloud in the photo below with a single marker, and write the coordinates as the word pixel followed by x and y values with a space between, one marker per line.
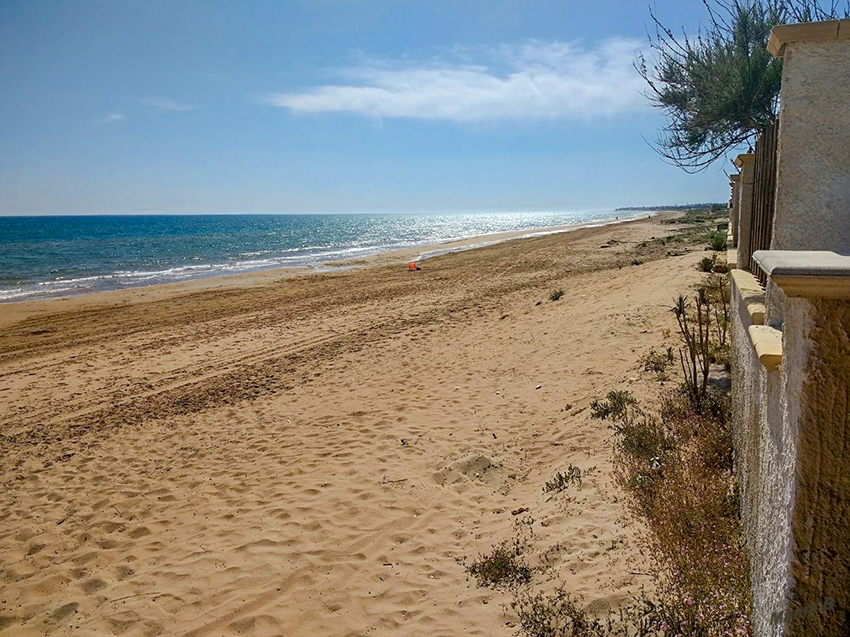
pixel 166 104
pixel 112 118
pixel 530 81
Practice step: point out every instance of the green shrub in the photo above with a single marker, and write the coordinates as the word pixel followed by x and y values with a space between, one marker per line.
pixel 717 241
pixel 615 405
pixel 643 438
pixel 706 264
pixel 557 294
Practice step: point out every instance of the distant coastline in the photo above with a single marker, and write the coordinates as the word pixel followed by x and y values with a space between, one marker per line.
pixel 687 206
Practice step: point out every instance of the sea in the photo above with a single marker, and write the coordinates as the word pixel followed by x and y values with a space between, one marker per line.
pixel 44 257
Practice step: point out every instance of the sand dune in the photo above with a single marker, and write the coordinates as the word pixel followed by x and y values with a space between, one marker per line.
pixel 317 455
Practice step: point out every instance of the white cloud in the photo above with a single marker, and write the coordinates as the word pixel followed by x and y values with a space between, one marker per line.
pixel 166 104
pixel 113 117
pixel 530 81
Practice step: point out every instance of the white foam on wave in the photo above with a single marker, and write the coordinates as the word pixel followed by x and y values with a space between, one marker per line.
pixel 315 256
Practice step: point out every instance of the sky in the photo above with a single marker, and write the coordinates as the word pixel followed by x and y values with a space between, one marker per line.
pixel 305 106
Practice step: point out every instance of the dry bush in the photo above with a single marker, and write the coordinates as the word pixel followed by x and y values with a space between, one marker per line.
pixel 678 471
pixel 657 361
pixel 503 567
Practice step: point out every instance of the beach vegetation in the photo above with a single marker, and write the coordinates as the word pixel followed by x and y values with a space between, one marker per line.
pixel 693 318
pixel 675 462
pixel 556 295
pixel 717 241
pixel 557 614
pixel 719 88
pixel 503 567
pixel 706 264
pixel 702 215
pixel 657 361
pixel 716 288
pixel 562 480
pixel 677 467
pixel 615 405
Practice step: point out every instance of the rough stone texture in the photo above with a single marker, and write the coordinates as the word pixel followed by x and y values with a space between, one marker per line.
pixel 821 522
pixel 791 431
pixel 746 402
pixel 813 172
pixel 792 427
pixel 764 435
pixel 777 440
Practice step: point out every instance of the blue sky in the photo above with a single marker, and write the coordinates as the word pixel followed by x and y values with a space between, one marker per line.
pixel 141 106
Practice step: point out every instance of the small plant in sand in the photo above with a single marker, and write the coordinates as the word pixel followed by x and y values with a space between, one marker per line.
pixel 616 403
pixel 716 287
pixel 717 241
pixel 694 321
pixel 562 480
pixel 706 264
pixel 658 361
pixel 555 615
pixel 556 295
pixel 559 614
pixel 503 567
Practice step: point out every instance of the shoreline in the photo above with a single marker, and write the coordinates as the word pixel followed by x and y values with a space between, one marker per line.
pixel 260 276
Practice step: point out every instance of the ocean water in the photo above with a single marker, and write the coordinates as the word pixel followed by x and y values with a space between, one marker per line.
pixel 57 256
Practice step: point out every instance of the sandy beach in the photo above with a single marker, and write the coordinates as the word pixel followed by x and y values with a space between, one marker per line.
pixel 290 454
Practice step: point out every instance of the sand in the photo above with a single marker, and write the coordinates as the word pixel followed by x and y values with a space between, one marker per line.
pixel 283 454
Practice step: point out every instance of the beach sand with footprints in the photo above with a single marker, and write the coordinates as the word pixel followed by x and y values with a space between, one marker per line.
pixel 319 454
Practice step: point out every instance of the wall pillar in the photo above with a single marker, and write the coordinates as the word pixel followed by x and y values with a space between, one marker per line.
pixel 747 165
pixel 733 212
pixel 813 162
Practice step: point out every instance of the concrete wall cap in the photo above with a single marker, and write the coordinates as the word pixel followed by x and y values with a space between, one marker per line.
pixel 807 273
pixel 767 342
pixel 751 294
pixel 742 160
pixel 806 32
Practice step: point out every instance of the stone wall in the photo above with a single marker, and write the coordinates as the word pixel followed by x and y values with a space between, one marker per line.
pixel 791 352
pixel 820 523
pixel 791 433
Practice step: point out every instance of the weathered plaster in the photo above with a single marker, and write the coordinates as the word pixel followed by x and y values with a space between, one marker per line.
pixel 820 566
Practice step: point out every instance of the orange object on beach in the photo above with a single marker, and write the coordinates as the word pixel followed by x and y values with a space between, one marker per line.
pixel 411 266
